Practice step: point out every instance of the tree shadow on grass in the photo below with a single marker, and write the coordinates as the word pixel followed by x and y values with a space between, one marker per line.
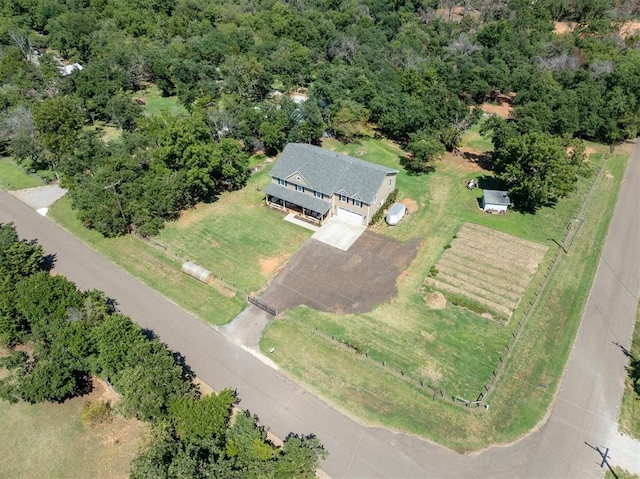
pixel 483 160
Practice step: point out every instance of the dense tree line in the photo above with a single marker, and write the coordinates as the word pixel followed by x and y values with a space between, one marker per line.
pixel 411 71
pixel 58 337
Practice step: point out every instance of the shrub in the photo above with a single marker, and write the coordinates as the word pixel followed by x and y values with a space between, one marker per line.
pixel 95 412
pixel 433 271
pixel 390 199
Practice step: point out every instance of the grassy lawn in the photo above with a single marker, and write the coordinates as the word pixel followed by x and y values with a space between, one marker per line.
pixel 155 268
pixel 410 347
pixel 156 102
pixel 49 440
pixel 237 237
pixel 630 409
pixel 14 177
pixel 472 138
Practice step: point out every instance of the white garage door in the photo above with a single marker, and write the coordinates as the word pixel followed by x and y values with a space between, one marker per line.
pixel 350 215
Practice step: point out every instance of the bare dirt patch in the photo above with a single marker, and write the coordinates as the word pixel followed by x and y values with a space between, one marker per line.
pixel 589 150
pixel 488 267
pixel 608 175
pixel 411 204
pixel 328 279
pixel 269 265
pixel 560 28
pixel 470 160
pixel 502 109
pixel 436 300
pixel 627 29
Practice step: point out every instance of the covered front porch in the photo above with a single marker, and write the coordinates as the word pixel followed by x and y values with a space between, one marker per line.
pixel 306 207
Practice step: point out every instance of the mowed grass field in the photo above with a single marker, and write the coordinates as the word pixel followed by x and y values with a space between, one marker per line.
pixel 236 237
pixel 154 267
pixel 49 441
pixel 410 346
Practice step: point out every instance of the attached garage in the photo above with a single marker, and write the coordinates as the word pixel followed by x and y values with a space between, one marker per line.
pixel 350 215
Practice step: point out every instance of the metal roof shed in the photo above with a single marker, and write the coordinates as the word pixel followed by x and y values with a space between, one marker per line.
pixel 495 201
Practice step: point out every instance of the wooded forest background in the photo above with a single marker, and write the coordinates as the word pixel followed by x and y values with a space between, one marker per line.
pixel 414 72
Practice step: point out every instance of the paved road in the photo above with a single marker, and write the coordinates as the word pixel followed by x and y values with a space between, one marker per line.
pixel 584 414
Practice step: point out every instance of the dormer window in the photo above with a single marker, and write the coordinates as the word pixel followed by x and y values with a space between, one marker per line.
pixel 300 188
pixel 357 203
pixel 344 198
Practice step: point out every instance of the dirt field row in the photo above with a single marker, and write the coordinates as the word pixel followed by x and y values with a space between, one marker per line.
pixel 505 279
pixel 475 279
pixel 488 267
pixel 498 309
pixel 515 254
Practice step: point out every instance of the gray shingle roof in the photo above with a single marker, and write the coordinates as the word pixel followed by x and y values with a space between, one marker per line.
pixel 300 199
pixel 496 197
pixel 331 172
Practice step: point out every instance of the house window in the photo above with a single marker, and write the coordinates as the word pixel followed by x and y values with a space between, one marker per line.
pixel 357 203
pixel 344 198
pixel 282 182
pixel 300 188
pixel 317 194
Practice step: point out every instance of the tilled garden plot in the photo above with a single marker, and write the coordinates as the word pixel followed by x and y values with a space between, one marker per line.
pixel 489 268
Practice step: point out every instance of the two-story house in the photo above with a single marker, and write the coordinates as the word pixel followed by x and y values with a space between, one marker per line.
pixel 319 183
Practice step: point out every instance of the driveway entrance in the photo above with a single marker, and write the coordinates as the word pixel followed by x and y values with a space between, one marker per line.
pixel 339 232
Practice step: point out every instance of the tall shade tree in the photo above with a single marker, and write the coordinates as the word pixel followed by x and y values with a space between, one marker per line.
pixel 539 169
pixel 425 151
pixel 58 121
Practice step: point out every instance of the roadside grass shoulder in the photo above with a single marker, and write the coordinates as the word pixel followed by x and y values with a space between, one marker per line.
pixel 629 419
pixel 156 269
pixel 619 473
pixel 14 177
pixel 452 349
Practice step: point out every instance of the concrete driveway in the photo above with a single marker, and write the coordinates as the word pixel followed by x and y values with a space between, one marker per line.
pixel 340 233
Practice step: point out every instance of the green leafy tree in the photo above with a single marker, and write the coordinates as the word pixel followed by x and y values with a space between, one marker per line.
pixel 58 122
pixel 425 151
pixel 539 169
pixel 349 120
pixel 44 301
pixel 300 458
pixel 18 258
pixel 202 419
pixel 150 381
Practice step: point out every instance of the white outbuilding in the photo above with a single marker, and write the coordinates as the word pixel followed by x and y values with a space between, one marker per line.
pixel 395 214
pixel 495 201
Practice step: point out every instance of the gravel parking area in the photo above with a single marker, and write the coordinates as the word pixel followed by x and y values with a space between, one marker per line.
pixel 328 279
pixel 40 197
